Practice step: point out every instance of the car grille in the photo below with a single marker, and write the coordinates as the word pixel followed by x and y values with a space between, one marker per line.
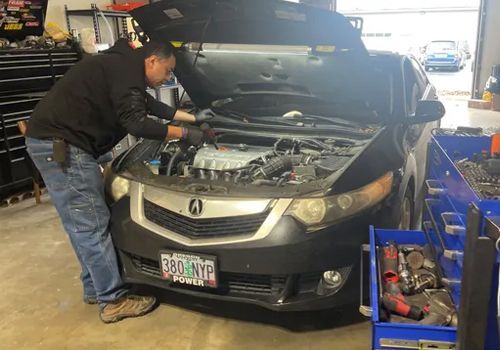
pixel 228 282
pixel 202 228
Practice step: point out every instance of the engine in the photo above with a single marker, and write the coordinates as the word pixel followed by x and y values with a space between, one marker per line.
pixel 287 161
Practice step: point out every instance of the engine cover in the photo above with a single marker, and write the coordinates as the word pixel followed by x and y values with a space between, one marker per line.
pixel 228 156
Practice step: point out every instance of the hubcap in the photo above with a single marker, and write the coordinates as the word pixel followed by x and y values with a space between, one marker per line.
pixel 405 222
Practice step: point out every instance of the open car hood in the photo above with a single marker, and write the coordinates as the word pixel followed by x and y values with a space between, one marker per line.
pixel 308 52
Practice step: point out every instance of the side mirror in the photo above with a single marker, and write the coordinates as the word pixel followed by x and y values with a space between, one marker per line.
pixel 427 111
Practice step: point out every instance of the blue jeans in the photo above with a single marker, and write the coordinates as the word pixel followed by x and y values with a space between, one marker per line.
pixel 77 192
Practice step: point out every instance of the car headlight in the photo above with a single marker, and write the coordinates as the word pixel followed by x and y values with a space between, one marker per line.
pixel 317 212
pixel 116 186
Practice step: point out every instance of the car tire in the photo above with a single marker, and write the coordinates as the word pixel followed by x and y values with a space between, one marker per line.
pixel 407 209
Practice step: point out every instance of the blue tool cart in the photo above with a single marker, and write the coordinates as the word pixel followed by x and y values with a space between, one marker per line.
pixel 461 223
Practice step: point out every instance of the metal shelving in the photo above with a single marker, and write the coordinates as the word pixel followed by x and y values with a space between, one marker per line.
pixel 94 13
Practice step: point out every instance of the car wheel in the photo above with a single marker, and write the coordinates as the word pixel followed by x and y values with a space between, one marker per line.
pixel 407 205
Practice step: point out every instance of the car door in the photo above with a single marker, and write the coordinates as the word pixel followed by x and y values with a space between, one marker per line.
pixel 417 87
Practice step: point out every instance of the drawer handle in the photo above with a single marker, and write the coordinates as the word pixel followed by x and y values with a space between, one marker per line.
pixel 453 223
pixel 453 254
pixel 435 187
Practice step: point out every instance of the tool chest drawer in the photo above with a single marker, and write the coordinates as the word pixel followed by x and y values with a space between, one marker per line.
pixel 393 335
pixel 34 69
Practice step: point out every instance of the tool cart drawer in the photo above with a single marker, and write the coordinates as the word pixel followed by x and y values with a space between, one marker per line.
pixel 390 335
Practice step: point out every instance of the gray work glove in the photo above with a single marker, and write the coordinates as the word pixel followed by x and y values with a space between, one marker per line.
pixel 197 136
pixel 204 115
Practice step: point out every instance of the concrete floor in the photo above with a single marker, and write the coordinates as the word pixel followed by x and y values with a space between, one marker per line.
pixel 40 297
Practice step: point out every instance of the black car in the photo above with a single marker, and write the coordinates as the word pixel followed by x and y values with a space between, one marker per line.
pixel 317 139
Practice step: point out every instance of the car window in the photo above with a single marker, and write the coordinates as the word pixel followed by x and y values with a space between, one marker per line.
pixel 442 46
pixel 422 80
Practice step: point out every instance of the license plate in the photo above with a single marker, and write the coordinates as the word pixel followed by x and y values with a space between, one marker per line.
pixel 190 269
pixel 441 55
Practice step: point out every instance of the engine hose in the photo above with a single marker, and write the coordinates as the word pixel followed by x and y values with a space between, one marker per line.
pixel 171 162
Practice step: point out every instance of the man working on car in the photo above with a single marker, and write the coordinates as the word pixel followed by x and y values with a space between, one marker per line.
pixel 87 112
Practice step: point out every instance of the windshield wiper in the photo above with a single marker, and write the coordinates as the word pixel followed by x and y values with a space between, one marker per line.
pixel 311 117
pixel 232 114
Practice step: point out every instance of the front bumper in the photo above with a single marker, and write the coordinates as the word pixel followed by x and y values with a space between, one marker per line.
pixel 279 272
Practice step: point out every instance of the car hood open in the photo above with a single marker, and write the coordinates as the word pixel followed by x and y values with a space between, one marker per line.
pixel 309 51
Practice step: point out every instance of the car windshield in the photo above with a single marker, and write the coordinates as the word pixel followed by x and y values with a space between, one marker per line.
pixel 442 46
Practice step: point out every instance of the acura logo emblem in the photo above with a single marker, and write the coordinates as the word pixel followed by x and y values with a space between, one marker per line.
pixel 195 206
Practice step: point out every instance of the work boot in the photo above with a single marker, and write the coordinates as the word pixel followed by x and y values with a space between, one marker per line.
pixel 127 306
pixel 91 300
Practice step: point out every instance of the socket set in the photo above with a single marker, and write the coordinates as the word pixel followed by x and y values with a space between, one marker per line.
pixel 483 174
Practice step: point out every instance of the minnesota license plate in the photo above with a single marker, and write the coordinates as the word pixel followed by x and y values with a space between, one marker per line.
pixel 189 269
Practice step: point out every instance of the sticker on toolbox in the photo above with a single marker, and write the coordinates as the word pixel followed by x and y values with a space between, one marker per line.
pixel 13 26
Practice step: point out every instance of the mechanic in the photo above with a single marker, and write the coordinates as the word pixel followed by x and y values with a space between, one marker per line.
pixel 87 112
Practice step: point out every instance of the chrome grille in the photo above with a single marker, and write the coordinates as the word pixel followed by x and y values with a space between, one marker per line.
pixel 203 228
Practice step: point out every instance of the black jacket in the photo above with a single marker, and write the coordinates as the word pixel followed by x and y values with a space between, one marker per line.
pixel 99 101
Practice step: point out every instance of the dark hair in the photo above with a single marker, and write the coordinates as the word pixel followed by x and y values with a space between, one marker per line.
pixel 157 48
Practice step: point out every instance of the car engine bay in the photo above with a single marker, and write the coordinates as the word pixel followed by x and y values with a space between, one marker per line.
pixel 256 161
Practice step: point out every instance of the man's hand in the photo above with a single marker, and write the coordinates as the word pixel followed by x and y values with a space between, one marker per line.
pixel 208 133
pixel 204 115
pixel 197 136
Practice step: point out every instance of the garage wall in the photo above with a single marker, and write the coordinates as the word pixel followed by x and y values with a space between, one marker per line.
pixel 490 49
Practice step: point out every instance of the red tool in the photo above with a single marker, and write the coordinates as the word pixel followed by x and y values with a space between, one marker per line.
pixel 394 290
pixel 495 145
pixel 390 263
pixel 398 306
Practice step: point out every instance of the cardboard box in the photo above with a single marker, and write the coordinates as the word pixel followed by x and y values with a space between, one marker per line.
pixel 495 102
pixel 479 104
